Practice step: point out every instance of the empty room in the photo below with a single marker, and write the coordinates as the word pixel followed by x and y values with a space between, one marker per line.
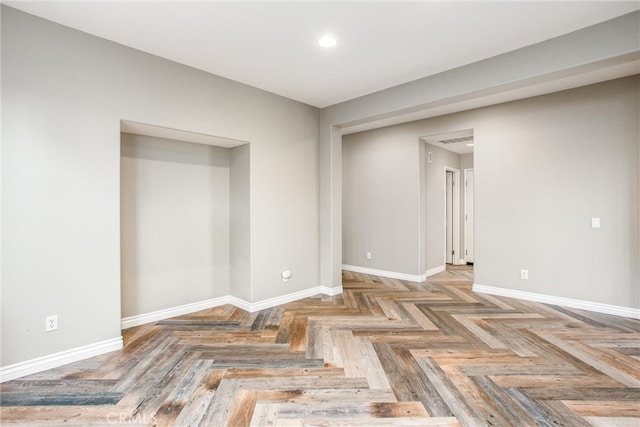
pixel 325 213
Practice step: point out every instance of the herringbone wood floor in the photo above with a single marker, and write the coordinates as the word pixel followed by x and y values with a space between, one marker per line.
pixel 385 352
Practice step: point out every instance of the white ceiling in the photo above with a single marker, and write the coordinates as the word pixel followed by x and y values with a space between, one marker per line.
pixel 273 45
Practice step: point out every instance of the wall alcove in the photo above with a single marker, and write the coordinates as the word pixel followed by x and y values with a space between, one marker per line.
pixel 184 220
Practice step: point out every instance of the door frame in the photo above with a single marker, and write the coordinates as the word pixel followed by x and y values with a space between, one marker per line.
pixel 469 236
pixel 455 229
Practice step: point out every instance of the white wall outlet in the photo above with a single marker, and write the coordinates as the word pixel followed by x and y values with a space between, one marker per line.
pixel 524 274
pixel 595 222
pixel 368 255
pixel 51 323
pixel 286 275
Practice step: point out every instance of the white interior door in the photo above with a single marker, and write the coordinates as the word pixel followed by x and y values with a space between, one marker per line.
pixel 468 214
pixel 449 217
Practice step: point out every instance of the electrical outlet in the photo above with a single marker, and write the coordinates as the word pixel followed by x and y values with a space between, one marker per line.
pixel 51 323
pixel 368 255
pixel 524 274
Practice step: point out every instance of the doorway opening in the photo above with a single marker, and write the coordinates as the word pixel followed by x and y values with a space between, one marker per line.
pixel 452 215
pixel 448 200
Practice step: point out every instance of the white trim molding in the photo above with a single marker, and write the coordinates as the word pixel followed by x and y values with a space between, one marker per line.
pixel 40 364
pixel 33 366
pixel 455 229
pixel 141 319
pixel 154 316
pixel 384 273
pixel 331 291
pixel 283 299
pixel 435 270
pixel 597 307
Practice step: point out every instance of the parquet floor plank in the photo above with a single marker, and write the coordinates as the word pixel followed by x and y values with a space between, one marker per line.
pixel 386 352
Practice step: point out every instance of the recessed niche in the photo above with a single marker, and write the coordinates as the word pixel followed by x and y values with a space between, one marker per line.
pixel 184 218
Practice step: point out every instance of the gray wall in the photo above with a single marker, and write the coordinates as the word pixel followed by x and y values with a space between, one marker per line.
pixel 543 167
pixel 568 59
pixel 564 158
pixel 65 92
pixel 174 201
pixel 380 202
pixel 434 188
pixel 381 205
pixel 63 95
pixel 240 222
pixel 466 161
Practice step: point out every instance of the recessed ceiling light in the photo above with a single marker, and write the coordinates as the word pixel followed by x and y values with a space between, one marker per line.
pixel 470 144
pixel 327 41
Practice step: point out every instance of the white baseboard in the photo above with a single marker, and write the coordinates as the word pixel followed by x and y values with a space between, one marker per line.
pixel 273 302
pixel 633 313
pixel 435 270
pixel 333 291
pixel 141 319
pixel 40 364
pixel 154 316
pixel 384 273
pixel 33 366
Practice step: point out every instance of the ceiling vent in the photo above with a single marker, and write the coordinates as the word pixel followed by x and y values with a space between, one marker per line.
pixel 454 140
pixel 460 141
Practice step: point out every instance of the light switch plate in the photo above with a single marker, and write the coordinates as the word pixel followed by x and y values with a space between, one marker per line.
pixel 595 222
